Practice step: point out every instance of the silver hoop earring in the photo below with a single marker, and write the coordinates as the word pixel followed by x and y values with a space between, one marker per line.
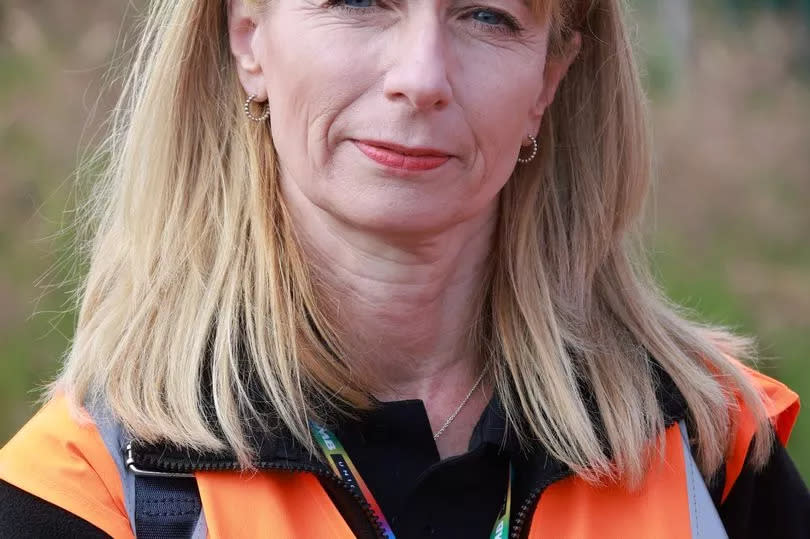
pixel 534 151
pixel 265 112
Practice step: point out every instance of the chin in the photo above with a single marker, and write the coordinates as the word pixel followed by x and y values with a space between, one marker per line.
pixel 399 218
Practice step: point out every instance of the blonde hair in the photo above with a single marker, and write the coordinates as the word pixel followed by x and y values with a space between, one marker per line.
pixel 198 293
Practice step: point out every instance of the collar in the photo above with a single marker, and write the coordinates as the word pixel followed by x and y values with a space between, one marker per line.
pixel 279 449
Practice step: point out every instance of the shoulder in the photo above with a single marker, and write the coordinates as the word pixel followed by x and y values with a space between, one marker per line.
pixel 781 402
pixel 61 458
pixel 25 516
pixel 770 500
pixel 781 405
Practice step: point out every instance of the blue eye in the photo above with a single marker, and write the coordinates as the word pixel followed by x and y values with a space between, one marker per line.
pixel 488 17
pixel 493 20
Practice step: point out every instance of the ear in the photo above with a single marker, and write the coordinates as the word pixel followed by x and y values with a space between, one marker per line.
pixel 555 69
pixel 242 23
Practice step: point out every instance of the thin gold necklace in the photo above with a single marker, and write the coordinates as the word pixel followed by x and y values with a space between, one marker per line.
pixel 460 406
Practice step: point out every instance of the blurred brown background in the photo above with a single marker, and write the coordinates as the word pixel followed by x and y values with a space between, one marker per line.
pixel 729 84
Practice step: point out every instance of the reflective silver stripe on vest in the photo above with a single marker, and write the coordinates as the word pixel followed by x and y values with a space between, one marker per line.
pixel 703 515
pixel 201 529
pixel 116 440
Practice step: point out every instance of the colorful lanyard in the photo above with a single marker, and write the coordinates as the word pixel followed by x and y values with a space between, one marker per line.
pixel 344 468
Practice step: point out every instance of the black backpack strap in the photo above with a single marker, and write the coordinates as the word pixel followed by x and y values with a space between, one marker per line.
pixel 158 505
pixel 166 507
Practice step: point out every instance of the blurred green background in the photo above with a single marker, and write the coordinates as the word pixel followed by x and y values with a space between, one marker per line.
pixel 729 85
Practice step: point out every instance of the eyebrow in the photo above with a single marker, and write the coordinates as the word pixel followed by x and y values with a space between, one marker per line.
pixel 527 3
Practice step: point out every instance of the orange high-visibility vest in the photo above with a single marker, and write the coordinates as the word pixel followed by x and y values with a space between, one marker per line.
pixel 67 464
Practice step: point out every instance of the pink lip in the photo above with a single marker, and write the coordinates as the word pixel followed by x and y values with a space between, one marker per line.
pixel 402 157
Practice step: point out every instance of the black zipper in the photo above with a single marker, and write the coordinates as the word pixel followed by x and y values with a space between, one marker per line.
pixel 155 464
pixel 529 506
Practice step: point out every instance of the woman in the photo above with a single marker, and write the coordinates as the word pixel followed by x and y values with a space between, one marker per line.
pixel 365 268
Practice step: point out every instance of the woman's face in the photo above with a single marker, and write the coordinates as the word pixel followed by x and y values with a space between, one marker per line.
pixel 397 115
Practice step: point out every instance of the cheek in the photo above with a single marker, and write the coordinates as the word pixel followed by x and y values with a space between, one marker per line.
pixel 496 90
pixel 496 106
pixel 312 77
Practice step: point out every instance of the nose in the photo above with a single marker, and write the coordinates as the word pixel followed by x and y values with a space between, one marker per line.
pixel 418 70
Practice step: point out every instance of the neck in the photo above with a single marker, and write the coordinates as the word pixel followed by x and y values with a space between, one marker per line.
pixel 405 306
